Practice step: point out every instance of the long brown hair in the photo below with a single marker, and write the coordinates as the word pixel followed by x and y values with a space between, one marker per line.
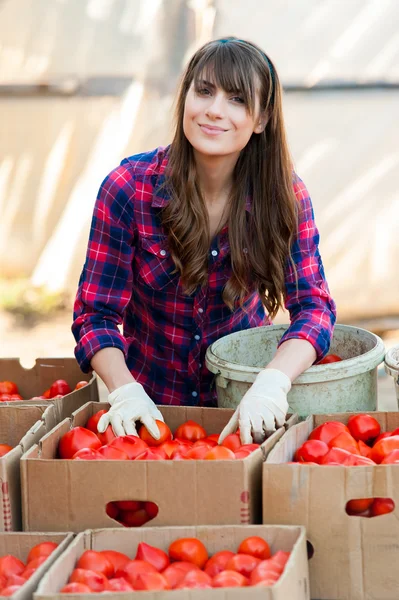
pixel 260 241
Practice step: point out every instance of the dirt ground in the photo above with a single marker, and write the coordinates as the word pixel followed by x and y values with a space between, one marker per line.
pixel 53 338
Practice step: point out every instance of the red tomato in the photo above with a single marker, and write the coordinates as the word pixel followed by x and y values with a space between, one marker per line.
pixel 111 510
pixel 198 453
pixel 220 453
pixel 345 441
pixel 311 451
pixel 149 455
pixel 133 569
pixel 384 447
pixel 59 388
pixel 251 447
pixel 242 453
pixel 130 444
pixel 151 509
pixel 8 387
pixel 15 580
pixel 128 504
pixel 117 559
pixel 46 394
pixel 76 439
pixel 327 431
pixel 364 427
pixel 217 563
pixel 229 579
pixel 182 451
pixel 5 397
pixel 108 435
pixel 232 442
pixel 119 585
pixel 160 451
pixel 76 588
pixel 255 546
pixel 96 561
pixel 81 384
pixel 382 436
pixel 364 449
pixel 191 431
pixel 10 590
pixel 339 456
pixel 362 460
pixel 11 565
pixel 97 582
pixel 151 581
pixel 190 550
pixel 243 563
pixel 4 449
pixel 170 446
pixel 133 518
pixel 330 358
pixel 391 459
pixel 164 430
pixel 87 454
pixel 176 572
pixel 354 507
pixel 214 437
pixel 112 453
pixel 154 556
pixel 16 397
pixel 33 564
pixel 266 570
pixel 280 559
pixel 382 506
pixel 195 579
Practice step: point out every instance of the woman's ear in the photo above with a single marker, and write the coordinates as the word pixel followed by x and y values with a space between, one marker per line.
pixel 262 122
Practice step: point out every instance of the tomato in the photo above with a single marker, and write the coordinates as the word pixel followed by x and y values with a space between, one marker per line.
pixel 354 507
pixel 117 559
pixel 10 590
pixel 255 546
pixel 4 449
pixel 128 504
pixel 384 447
pixel 242 453
pixel 232 442
pixel 15 580
pixel 119 585
pixel 149 455
pixel 151 581
pixel 345 441
pixel 198 453
pixel 191 431
pixel 217 563
pixel 362 460
pixel 311 451
pixel 229 579
pixel 391 459
pixel 42 549
pixel 190 550
pixel 220 453
pixel 169 446
pixel 108 435
pixel 382 436
pixel 76 588
pixel 182 451
pixel 329 358
pixel 160 451
pixel 243 563
pixel 134 568
pixel 95 561
pixel 16 397
pixel 339 456
pixel 154 556
pixel 11 565
pixel 111 510
pixel 81 384
pixel 33 564
pixel 214 437
pixel 112 453
pixel 195 579
pixel 176 572
pixel 8 387
pixel 59 388
pixel 46 394
pixel 151 509
pixel 164 430
pixel 382 506
pixel 87 454
pixel 364 449
pixel 97 582
pixel 280 559
pixel 130 444
pixel 265 570
pixel 76 439
pixel 133 518
pixel 364 427
pixel 327 431
pixel 251 447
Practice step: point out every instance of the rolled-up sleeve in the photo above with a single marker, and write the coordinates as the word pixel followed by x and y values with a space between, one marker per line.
pixel 308 299
pixel 105 284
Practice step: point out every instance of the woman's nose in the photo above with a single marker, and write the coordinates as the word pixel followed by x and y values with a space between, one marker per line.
pixel 216 107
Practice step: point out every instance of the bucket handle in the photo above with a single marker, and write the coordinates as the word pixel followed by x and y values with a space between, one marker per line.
pixel 222 382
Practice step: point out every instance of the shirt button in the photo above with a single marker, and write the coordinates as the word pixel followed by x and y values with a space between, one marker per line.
pixel 197 337
pixel 214 252
pixel 194 394
pixel 201 310
pixel 163 253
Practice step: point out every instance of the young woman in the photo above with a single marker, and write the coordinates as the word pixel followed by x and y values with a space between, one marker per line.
pixel 199 239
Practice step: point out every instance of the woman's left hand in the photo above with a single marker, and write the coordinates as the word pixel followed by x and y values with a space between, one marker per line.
pixel 262 408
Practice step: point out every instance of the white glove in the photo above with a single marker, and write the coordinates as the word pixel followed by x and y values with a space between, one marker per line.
pixel 262 408
pixel 130 403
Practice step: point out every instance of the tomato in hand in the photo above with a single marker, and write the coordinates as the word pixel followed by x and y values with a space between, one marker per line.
pixel 364 427
pixel 217 563
pixel 108 435
pixel 329 358
pixel 59 388
pixel 311 451
pixel 154 556
pixel 327 431
pixel 76 439
pixel 165 434
pixel 229 579
pixel 255 546
pixel 189 550
pixel 42 549
pixel 191 431
pixel 95 561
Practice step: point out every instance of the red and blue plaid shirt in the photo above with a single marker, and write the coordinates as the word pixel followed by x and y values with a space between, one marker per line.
pixel 129 278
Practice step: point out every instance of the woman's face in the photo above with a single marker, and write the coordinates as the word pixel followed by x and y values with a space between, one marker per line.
pixel 217 123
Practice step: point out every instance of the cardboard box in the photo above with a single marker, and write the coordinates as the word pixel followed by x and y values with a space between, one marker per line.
pixel 293 584
pixel 355 558
pixel 186 492
pixel 33 382
pixel 19 545
pixel 20 427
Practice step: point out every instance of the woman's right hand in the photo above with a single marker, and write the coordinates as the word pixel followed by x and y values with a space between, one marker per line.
pixel 130 403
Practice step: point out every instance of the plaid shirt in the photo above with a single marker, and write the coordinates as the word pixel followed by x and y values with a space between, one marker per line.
pixel 129 277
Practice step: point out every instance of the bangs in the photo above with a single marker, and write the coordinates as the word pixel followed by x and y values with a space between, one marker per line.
pixel 228 68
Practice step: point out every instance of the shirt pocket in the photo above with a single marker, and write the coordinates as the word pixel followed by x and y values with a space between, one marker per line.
pixel 154 264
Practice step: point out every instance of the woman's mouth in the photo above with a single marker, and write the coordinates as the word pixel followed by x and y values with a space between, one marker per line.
pixel 212 130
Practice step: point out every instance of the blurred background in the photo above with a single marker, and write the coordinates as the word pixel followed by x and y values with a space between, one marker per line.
pixel 84 83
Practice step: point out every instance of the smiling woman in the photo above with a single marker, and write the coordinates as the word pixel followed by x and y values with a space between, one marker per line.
pixel 208 236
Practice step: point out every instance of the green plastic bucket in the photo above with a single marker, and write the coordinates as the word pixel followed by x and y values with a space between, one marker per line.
pixel 349 385
pixel 391 366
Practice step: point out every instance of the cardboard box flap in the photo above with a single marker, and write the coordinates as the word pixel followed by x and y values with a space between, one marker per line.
pixel 16 421
pixel 294 437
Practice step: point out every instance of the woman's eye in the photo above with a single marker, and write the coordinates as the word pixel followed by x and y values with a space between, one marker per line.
pixel 238 99
pixel 203 91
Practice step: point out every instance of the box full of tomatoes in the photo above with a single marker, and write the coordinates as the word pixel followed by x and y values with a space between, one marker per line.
pixel 20 428
pixel 25 558
pixel 185 478
pixel 269 561
pixel 58 381
pixel 338 475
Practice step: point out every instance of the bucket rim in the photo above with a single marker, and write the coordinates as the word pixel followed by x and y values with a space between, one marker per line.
pixel 348 367
pixel 391 362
